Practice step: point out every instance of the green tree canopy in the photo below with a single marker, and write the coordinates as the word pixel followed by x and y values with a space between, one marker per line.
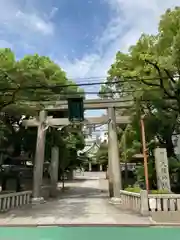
pixel 149 72
pixel 33 78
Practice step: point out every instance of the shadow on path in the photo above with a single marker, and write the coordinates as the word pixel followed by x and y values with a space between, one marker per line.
pixel 83 202
pixel 84 192
pixel 72 203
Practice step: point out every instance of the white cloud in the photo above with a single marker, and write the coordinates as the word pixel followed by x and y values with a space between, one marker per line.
pixel 80 67
pixel 34 23
pixel 19 20
pixel 129 20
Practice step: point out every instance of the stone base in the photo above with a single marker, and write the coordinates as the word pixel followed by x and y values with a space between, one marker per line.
pixel 115 200
pixel 39 200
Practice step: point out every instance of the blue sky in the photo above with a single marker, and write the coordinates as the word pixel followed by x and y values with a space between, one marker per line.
pixel 82 36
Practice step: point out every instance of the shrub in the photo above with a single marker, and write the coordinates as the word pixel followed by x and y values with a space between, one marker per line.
pixel 133 189
pixel 159 191
pixel 138 189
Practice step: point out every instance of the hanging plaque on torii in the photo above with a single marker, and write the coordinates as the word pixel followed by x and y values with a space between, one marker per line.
pixel 76 109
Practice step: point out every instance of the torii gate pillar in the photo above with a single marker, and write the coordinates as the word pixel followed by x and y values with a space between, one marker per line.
pixel 54 169
pixel 115 181
pixel 39 158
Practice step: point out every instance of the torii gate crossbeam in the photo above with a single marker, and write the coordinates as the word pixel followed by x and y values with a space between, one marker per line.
pixel 88 121
pixel 88 104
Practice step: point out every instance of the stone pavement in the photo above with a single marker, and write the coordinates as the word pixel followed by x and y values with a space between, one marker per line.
pixel 84 202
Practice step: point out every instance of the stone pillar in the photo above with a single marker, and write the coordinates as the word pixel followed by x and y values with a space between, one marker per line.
pixel 100 167
pixel 90 166
pixel 144 203
pixel 39 159
pixel 162 169
pixel 114 161
pixel 54 170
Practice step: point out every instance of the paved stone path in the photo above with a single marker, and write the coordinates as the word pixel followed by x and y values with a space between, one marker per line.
pixel 84 202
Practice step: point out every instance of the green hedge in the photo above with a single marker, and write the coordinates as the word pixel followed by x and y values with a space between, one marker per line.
pixel 138 189
pixel 133 189
pixel 159 191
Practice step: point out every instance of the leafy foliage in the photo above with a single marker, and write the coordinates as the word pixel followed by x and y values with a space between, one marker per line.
pixel 30 79
pixel 102 154
pixel 150 73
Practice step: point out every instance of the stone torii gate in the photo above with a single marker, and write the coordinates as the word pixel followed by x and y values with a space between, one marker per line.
pixel 115 184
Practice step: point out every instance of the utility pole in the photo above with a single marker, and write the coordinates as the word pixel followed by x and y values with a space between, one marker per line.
pixel 39 159
pixel 114 154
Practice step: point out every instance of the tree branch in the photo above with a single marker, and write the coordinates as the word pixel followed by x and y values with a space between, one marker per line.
pixel 169 75
pixel 5 104
pixel 161 83
pixel 150 84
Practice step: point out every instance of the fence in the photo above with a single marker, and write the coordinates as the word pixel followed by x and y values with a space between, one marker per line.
pixel 164 202
pixel 147 204
pixel 136 202
pixel 12 200
pixel 164 207
pixel 17 199
pixel 131 201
